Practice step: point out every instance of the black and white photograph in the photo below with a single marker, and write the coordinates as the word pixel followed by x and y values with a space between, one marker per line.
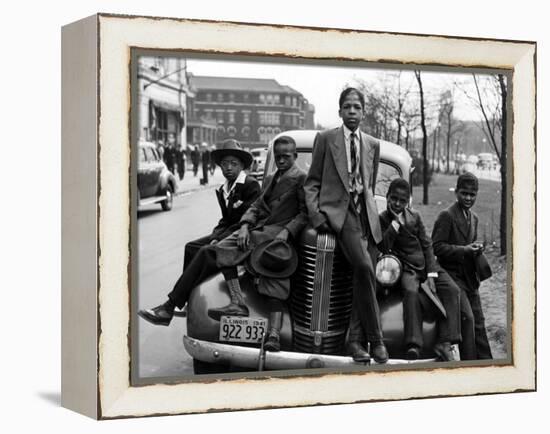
pixel 292 216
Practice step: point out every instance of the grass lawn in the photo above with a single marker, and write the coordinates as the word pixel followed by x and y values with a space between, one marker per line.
pixel 493 291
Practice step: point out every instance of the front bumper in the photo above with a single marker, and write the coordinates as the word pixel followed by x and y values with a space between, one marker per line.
pixel 246 357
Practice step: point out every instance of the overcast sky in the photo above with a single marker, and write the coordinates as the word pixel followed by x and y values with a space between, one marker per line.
pixel 322 84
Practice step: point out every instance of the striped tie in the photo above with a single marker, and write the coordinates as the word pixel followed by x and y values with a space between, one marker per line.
pixel 354 173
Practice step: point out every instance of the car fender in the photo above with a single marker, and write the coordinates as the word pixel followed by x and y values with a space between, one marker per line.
pixel 213 293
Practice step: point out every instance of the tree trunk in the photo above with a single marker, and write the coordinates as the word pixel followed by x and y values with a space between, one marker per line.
pixel 449 117
pixel 503 196
pixel 424 141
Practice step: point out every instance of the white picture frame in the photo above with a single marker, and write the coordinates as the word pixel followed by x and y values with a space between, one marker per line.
pixel 96 253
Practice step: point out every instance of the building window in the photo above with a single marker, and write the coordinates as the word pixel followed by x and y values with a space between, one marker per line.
pixel 219 117
pixel 245 97
pixel 276 131
pixel 266 134
pixel 220 97
pixel 269 118
pixel 231 97
pixel 246 117
pixel 276 99
pixel 231 131
pixel 209 97
pixel 287 101
pixel 231 117
pixel 221 130
pixel 245 131
pixel 262 98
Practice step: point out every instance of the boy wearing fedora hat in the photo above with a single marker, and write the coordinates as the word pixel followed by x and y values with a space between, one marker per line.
pixel 404 235
pixel 277 214
pixel 234 196
pixel 454 239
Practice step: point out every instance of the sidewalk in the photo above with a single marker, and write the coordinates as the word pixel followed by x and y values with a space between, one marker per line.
pixel 190 183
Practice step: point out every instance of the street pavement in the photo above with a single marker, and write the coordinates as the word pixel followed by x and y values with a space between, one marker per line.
pixel 191 183
pixel 161 241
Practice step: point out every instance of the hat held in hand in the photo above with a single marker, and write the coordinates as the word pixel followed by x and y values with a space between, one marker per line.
pixel 276 258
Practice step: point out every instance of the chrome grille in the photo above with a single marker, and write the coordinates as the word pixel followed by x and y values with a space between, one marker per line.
pixel 321 295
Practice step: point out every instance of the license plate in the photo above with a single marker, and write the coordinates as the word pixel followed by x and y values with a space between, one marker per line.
pixel 242 329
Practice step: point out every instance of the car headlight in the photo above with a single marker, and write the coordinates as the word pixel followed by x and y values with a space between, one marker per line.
pixel 388 270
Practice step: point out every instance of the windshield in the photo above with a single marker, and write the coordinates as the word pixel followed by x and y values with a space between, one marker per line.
pixel 387 172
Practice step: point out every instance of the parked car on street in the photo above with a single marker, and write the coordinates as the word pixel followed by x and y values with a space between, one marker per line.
pixel 317 314
pixel 258 163
pixel 156 184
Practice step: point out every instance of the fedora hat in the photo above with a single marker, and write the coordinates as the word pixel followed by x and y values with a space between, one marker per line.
pixel 483 269
pixel 275 258
pixel 233 148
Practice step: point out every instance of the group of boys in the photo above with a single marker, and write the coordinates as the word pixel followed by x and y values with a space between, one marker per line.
pixel 259 227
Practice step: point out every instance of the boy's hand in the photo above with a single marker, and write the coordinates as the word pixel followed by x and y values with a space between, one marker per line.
pixel 283 235
pixel 213 242
pixel 244 237
pixel 473 249
pixel 393 213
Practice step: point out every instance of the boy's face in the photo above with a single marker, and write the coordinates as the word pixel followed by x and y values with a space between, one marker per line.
pixel 398 199
pixel 466 196
pixel 231 167
pixel 284 156
pixel 352 111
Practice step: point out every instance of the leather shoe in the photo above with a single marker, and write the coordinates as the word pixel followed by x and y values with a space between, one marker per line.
pixel 358 352
pixel 444 351
pixel 159 315
pixel 231 309
pixel 413 352
pixel 380 353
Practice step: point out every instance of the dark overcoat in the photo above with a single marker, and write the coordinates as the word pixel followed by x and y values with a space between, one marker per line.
pixel 451 233
pixel 280 205
pixel 410 244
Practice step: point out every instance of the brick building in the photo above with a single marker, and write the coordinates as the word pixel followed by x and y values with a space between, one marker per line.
pixel 250 110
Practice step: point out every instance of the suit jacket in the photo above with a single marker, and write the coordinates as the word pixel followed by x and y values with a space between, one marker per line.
pixel 239 201
pixel 279 206
pixel 327 183
pixel 411 244
pixel 450 234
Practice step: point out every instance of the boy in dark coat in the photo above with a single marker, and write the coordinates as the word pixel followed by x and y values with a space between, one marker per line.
pixel 279 213
pixel 234 197
pixel 404 235
pixel 454 239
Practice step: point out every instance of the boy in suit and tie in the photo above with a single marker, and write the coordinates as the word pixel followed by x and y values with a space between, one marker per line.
pixel 279 213
pixel 235 195
pixel 404 235
pixel 454 239
pixel 340 199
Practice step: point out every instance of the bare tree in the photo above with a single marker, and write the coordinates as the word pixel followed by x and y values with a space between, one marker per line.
pixel 490 100
pixel 424 139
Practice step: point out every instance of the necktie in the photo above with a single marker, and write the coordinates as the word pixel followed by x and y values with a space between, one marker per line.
pixel 353 155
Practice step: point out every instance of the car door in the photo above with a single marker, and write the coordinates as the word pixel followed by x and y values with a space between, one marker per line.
pixel 143 173
pixel 157 166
